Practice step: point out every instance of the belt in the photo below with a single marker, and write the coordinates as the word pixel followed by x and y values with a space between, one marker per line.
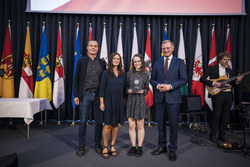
pixel 91 90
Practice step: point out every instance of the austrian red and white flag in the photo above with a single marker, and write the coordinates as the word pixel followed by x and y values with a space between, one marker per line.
pixel 58 91
pixel 148 62
pixel 26 88
pixel 212 61
pixel 90 33
pixel 228 47
pixel 197 86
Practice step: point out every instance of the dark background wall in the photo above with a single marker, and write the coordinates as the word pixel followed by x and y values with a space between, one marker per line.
pixel 14 10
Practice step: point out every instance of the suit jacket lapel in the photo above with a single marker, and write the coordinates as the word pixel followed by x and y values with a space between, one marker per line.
pixel 171 64
pixel 162 66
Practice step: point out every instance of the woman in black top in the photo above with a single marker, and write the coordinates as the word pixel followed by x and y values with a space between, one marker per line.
pixel 112 91
pixel 137 88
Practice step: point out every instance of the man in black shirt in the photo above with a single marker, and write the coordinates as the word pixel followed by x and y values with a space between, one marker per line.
pixel 86 84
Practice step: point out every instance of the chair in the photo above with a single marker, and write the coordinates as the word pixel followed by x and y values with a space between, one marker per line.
pixel 191 107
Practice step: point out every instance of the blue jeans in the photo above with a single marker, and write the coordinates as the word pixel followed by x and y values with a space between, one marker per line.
pixel 88 99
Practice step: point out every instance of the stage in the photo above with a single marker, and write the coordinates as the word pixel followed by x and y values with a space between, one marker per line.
pixel 55 146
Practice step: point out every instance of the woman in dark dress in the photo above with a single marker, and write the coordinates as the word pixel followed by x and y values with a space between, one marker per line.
pixel 137 88
pixel 112 90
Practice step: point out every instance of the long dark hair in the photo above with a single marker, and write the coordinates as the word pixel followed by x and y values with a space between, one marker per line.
pixel 142 63
pixel 110 65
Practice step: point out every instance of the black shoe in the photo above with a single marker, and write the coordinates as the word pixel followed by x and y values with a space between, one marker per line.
pixel 138 152
pixel 213 139
pixel 172 156
pixel 132 151
pixel 80 151
pixel 160 150
pixel 98 148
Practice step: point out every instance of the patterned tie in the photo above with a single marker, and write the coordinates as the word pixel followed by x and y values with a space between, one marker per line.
pixel 166 66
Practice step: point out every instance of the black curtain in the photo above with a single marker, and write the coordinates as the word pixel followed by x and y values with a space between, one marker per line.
pixel 14 10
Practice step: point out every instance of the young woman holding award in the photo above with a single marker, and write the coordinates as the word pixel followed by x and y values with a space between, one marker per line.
pixel 137 88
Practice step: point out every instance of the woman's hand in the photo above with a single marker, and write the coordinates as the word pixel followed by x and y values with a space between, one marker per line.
pixel 141 92
pixel 130 91
pixel 102 107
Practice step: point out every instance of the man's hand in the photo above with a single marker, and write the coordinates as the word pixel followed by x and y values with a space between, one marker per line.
pixel 217 84
pixel 76 100
pixel 164 87
pixel 239 79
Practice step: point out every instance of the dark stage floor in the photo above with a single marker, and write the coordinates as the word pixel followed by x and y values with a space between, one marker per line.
pixel 55 146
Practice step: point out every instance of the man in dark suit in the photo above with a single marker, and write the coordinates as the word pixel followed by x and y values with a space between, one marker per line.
pixel 86 84
pixel 222 101
pixel 168 76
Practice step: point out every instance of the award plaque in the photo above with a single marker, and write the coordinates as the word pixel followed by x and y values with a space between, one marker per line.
pixel 137 85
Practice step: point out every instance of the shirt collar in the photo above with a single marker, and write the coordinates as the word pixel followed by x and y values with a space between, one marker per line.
pixel 220 66
pixel 169 58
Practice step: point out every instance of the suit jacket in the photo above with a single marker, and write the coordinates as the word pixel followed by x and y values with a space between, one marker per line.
pixel 80 75
pixel 176 77
pixel 213 73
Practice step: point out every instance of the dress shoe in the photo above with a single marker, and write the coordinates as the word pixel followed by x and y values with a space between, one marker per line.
pixel 159 151
pixel 80 151
pixel 132 151
pixel 172 156
pixel 213 139
pixel 98 148
pixel 138 152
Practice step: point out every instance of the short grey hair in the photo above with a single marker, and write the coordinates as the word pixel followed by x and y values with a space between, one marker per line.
pixel 168 41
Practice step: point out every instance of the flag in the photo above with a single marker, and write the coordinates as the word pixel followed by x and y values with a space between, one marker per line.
pixel 43 85
pixel 197 86
pixel 212 61
pixel 182 55
pixel 58 91
pixel 7 81
pixel 26 88
pixel 119 45
pixel 134 45
pixel 228 47
pixel 229 65
pixel 76 58
pixel 104 49
pixel 148 63
pixel 164 38
pixel 90 32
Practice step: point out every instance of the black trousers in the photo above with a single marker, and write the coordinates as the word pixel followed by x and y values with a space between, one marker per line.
pixel 222 103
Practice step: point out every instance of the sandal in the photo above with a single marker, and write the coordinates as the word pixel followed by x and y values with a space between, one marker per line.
pixel 105 154
pixel 113 153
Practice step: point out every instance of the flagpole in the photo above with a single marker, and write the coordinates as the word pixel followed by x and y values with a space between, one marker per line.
pixel 58 116
pixel 59 109
pixel 10 122
pixel 41 121
pixel 149 118
pixel 73 122
pixel 228 120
